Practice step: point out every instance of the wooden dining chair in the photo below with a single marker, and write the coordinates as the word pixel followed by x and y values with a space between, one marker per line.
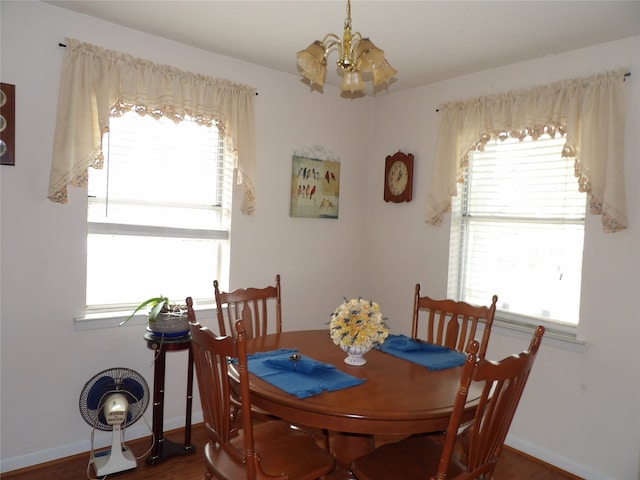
pixel 423 458
pixel 253 305
pixel 266 450
pixel 260 301
pixel 451 323
pixel 236 400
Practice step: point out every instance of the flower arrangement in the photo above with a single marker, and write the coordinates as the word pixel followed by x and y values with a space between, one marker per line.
pixel 358 322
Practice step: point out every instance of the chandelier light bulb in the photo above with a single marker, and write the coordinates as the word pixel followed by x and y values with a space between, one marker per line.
pixel 352 82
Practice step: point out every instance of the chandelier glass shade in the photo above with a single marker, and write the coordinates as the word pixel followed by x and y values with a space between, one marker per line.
pixel 357 55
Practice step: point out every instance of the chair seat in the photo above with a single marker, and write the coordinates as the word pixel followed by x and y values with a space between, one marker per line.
pixel 282 450
pixel 413 458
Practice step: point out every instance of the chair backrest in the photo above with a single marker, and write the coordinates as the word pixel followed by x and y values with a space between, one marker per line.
pixel 260 301
pixel 451 323
pixel 191 314
pixel 211 355
pixel 502 385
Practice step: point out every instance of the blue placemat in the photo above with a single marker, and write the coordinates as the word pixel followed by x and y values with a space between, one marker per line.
pixel 434 357
pixel 303 378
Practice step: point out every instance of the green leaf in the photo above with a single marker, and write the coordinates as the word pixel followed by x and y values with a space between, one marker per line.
pixel 156 304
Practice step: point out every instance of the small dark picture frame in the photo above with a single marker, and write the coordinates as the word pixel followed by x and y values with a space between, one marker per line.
pixel 7 124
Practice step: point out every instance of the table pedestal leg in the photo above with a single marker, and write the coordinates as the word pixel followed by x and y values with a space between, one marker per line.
pixel 346 448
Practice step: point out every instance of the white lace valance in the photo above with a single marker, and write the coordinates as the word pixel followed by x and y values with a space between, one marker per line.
pixel 592 110
pixel 96 82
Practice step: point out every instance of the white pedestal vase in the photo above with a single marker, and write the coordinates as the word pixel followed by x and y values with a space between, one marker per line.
pixel 355 354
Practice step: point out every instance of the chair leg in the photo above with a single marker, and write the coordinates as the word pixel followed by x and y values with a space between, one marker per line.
pixel 327 445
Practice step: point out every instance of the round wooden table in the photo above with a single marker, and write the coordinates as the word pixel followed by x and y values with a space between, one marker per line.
pixel 397 398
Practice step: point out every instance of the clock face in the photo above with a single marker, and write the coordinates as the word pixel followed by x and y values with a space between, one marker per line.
pixel 398 178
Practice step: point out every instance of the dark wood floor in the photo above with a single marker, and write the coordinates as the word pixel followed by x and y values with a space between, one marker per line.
pixel 512 465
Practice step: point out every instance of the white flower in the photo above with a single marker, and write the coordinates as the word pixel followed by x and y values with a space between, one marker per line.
pixel 358 322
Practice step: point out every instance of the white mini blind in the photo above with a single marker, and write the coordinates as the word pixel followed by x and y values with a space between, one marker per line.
pixel 518 229
pixel 162 174
pixel 159 213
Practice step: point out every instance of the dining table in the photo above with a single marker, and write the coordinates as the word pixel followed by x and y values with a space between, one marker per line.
pixel 395 396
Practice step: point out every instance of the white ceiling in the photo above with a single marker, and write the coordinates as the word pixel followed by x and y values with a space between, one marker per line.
pixel 426 41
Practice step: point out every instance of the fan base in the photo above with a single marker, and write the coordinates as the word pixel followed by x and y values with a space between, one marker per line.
pixel 108 462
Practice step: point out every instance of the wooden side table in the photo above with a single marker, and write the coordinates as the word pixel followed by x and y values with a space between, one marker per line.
pixel 164 448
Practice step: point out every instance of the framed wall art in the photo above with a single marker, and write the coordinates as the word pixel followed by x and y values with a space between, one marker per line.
pixel 315 184
pixel 7 124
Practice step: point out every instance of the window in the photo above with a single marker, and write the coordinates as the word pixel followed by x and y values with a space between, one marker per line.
pixel 517 231
pixel 159 213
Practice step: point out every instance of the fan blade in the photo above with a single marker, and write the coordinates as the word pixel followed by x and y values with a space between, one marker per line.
pixel 133 389
pixel 98 390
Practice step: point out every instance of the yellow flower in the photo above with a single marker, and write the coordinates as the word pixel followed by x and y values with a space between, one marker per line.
pixel 358 322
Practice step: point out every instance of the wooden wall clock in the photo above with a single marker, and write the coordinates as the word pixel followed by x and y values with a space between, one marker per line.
pixel 7 123
pixel 398 177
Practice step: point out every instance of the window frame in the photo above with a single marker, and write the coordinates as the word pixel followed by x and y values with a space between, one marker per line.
pixel 510 320
pixel 108 313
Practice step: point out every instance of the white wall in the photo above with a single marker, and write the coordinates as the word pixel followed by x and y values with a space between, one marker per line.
pixel 575 402
pixel 45 360
pixel 580 409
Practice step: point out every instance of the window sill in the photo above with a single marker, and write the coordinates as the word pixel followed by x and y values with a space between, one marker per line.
pixel 95 321
pixel 555 336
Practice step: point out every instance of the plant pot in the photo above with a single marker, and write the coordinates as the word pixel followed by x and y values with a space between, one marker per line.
pixel 170 325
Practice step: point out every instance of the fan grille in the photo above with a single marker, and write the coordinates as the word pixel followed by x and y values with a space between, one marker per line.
pixel 121 380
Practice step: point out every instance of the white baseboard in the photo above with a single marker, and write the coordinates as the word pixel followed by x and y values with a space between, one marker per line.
pixel 102 439
pixel 556 460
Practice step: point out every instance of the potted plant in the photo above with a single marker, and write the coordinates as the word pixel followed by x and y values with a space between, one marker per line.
pixel 165 318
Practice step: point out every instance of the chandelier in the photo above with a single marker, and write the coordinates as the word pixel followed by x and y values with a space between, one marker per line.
pixel 357 55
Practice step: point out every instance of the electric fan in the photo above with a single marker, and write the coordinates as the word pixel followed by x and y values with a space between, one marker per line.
pixel 112 400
